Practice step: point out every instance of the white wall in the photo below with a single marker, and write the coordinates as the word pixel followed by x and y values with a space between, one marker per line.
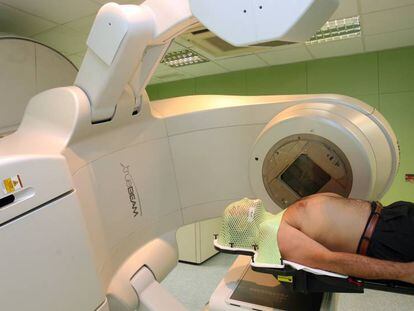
pixel 27 68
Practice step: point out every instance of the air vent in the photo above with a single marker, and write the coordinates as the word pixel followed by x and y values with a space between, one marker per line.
pixel 199 32
pixel 215 47
pixel 274 44
pixel 221 44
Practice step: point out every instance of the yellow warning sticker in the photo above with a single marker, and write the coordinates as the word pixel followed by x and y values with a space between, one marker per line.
pixel 285 278
pixel 12 184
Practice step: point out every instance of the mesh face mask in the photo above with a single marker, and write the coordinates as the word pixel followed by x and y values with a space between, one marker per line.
pixel 247 226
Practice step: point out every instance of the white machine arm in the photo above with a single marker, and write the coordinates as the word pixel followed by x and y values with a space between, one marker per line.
pixel 127 41
pixel 124 46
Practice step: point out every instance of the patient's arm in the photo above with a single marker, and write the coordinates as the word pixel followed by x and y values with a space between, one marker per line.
pixel 297 247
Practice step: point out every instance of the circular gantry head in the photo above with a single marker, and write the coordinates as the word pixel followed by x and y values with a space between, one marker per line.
pixel 302 165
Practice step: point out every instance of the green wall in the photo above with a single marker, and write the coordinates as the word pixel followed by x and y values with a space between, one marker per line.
pixel 383 79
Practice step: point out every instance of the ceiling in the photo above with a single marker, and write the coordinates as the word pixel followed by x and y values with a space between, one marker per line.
pixel 65 24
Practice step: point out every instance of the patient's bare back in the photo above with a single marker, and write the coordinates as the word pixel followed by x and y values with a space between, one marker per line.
pixel 333 221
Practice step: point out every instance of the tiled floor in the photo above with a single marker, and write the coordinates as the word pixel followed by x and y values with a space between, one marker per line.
pixel 194 284
pixel 375 301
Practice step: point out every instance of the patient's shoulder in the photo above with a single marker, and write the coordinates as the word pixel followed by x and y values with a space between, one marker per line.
pixel 292 216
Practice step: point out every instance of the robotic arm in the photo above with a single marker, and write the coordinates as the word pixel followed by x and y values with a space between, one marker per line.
pixel 128 41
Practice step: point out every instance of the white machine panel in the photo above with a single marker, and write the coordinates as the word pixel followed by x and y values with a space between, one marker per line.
pixel 50 250
pixel 129 198
pixel 128 190
pixel 219 160
pixel 153 296
pixel 107 33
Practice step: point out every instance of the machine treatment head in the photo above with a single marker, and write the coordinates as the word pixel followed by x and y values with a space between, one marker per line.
pixel 250 22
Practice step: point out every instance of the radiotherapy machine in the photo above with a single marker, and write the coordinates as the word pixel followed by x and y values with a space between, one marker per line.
pixel 96 180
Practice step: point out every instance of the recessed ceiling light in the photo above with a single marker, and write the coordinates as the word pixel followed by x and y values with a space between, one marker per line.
pixel 339 29
pixel 183 58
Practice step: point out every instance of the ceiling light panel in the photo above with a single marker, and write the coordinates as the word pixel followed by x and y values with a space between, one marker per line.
pixel 183 58
pixel 339 29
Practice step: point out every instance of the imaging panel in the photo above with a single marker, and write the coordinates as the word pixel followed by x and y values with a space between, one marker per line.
pixel 302 165
pixel 305 177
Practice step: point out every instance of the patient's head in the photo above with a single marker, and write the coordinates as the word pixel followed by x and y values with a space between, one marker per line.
pixel 241 221
pixel 247 225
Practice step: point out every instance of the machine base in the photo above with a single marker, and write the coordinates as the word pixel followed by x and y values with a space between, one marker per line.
pixel 245 289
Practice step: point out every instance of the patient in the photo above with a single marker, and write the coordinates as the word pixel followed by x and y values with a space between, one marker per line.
pixel 351 237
